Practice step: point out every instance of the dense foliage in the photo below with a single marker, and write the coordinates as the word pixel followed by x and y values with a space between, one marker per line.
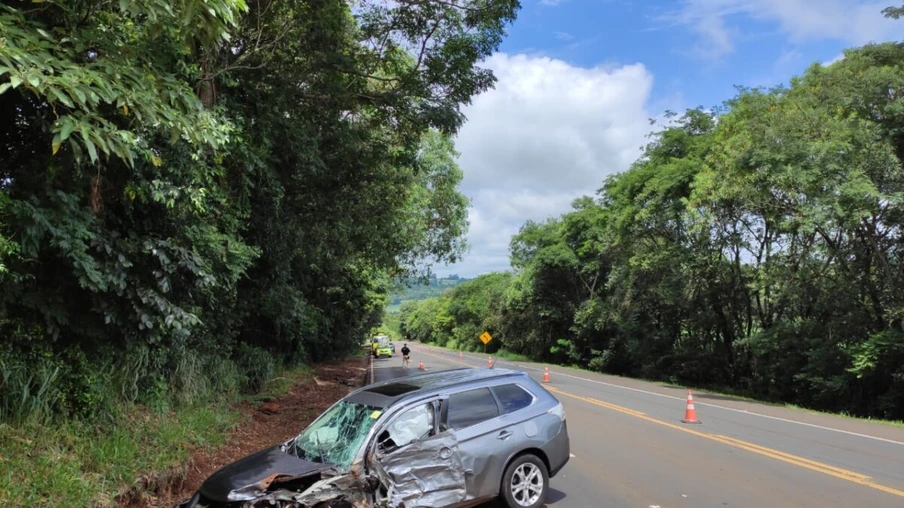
pixel 759 248
pixel 195 192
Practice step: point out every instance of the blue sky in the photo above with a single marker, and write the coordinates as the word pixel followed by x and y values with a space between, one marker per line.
pixel 589 33
pixel 579 79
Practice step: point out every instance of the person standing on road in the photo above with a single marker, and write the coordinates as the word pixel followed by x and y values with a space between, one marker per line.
pixel 405 359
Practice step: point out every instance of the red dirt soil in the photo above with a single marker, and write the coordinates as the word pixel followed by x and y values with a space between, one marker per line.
pixel 260 427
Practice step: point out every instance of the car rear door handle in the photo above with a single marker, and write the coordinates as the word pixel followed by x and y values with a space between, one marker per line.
pixel 504 435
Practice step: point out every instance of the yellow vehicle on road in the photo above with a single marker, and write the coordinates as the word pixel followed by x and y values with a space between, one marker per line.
pixel 381 346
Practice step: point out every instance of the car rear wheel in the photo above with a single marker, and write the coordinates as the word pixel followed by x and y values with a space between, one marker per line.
pixel 525 482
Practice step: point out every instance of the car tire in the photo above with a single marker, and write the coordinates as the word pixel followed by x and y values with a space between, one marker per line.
pixel 525 482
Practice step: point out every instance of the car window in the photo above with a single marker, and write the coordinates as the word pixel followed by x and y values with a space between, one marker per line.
pixel 471 407
pixel 512 397
pixel 409 427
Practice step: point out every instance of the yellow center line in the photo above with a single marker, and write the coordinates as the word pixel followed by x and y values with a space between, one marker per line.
pixel 796 460
pixel 812 465
pixel 443 358
pixel 606 405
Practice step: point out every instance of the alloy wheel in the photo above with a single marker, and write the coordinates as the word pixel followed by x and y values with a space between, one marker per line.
pixel 527 484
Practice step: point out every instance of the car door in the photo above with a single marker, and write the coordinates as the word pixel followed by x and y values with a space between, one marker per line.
pixel 515 422
pixel 473 415
pixel 492 424
pixel 418 462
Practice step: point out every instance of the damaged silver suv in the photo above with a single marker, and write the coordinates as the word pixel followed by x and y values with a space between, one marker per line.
pixel 452 438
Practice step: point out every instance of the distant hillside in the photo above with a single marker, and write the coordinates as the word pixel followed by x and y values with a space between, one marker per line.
pixel 422 291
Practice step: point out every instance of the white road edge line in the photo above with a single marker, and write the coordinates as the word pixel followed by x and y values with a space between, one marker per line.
pixel 742 411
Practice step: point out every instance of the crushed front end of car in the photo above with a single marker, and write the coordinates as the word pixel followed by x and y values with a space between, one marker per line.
pixel 274 477
pixel 322 466
pixel 316 469
pixel 341 491
pixel 413 478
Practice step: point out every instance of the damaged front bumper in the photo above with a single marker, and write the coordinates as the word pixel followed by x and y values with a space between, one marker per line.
pixel 272 477
pixel 422 473
pixel 425 474
pixel 343 491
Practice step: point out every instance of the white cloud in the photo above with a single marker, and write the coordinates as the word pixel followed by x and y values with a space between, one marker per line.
pixel 563 36
pixel 548 133
pixel 836 59
pixel 715 37
pixel 855 22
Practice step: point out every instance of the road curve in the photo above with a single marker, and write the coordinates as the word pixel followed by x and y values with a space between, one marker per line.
pixel 631 449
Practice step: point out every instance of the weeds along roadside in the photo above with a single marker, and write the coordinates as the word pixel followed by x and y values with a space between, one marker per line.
pixel 88 459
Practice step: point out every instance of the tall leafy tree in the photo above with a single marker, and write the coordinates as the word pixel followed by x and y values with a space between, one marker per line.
pixel 196 191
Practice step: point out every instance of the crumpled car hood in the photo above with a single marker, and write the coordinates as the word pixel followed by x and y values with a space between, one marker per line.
pixel 248 477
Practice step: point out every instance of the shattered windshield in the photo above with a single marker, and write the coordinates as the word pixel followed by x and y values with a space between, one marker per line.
pixel 338 434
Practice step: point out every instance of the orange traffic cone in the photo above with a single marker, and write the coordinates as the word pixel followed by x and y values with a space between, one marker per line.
pixel 489 362
pixel 546 375
pixel 459 355
pixel 421 366
pixel 690 414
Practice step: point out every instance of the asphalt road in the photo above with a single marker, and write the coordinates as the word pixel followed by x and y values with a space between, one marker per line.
pixel 630 448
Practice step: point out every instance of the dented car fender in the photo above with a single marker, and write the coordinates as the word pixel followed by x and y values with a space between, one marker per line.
pixel 427 473
pixel 422 471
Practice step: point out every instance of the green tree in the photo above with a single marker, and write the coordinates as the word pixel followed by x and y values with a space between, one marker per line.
pixel 195 192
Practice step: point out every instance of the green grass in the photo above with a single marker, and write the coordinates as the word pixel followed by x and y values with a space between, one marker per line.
pixel 78 464
pixel 512 357
pixel 735 394
pixel 81 464
pixel 280 384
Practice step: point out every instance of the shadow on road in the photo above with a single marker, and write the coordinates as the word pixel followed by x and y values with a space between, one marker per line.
pixel 554 496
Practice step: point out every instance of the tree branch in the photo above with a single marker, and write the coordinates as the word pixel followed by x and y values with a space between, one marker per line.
pixel 439 2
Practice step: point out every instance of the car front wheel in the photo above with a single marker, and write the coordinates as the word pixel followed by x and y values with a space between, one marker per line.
pixel 525 482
